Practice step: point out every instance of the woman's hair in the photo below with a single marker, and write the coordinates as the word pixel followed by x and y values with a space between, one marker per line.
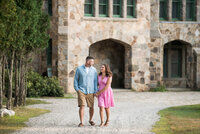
pixel 107 69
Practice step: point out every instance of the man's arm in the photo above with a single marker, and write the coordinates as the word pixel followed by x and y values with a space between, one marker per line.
pixel 95 82
pixel 76 78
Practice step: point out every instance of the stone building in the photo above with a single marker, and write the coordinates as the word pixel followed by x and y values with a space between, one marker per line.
pixel 146 42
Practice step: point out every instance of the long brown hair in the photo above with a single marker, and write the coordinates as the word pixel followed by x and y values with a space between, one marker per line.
pixel 107 69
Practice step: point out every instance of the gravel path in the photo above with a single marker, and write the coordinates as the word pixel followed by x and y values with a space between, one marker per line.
pixel 134 113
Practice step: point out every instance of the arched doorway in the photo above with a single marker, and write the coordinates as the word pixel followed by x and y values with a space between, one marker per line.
pixel 178 64
pixel 118 56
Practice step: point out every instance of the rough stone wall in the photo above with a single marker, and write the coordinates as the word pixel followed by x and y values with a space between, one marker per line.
pixel 167 31
pixel 144 36
pixel 81 32
pixel 113 54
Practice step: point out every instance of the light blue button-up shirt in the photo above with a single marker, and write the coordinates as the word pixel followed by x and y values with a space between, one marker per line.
pixel 86 82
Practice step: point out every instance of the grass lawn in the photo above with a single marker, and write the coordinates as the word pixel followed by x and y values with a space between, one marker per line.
pixel 11 124
pixel 179 120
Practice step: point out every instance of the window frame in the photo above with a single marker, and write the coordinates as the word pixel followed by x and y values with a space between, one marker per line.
pixel 134 9
pixel 193 12
pixel 166 10
pixel 92 13
pixel 106 5
pixel 49 53
pixel 180 6
pixel 50 11
pixel 120 7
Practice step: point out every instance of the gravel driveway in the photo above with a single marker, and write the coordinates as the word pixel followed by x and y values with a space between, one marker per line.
pixel 134 113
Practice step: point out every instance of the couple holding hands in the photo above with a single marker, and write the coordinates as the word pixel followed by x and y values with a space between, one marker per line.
pixel 88 84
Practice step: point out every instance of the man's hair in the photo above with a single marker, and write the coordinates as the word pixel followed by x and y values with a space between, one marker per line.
pixel 89 58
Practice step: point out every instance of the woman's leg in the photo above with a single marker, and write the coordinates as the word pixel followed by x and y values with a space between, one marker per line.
pixel 107 116
pixel 101 115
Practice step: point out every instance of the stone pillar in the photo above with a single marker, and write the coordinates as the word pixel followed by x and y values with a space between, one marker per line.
pixel 198 10
pixel 154 33
pixel 183 61
pixel 124 9
pixel 169 61
pixel 169 10
pixel 183 13
pixel 63 44
pixel 198 71
pixel 96 8
pixel 110 9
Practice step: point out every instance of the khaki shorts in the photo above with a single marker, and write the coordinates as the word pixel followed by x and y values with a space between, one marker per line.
pixel 85 98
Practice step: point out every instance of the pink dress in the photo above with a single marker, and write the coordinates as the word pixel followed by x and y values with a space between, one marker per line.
pixel 105 99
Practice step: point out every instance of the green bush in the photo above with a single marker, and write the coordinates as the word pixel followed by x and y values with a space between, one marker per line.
pixel 160 88
pixel 38 86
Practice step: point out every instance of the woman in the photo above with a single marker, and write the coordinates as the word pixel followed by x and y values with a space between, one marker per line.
pixel 105 94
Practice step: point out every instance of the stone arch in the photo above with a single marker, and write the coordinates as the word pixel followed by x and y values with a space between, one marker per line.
pixel 97 36
pixel 117 54
pixel 178 64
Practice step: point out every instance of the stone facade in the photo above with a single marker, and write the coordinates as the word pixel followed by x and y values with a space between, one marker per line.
pixel 138 42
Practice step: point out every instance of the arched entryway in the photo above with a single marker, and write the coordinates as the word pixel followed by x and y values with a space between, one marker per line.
pixel 178 64
pixel 118 55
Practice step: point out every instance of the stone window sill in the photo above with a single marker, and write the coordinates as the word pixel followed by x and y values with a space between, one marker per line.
pixel 180 22
pixel 110 19
pixel 173 79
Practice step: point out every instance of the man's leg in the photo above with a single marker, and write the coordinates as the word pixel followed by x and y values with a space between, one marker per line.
pixel 81 113
pixel 91 111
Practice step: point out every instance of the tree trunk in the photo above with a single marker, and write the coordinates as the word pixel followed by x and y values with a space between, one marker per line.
pixel 1 91
pixel 3 76
pixel 16 83
pixel 9 100
pixel 25 85
pixel 21 89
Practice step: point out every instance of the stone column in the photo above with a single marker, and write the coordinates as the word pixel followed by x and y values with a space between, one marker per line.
pixel 183 61
pixel 110 8
pixel 198 10
pixel 169 61
pixel 183 13
pixel 198 71
pixel 169 11
pixel 96 8
pixel 154 33
pixel 63 44
pixel 124 9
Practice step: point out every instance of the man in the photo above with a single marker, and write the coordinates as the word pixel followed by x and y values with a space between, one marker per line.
pixel 85 84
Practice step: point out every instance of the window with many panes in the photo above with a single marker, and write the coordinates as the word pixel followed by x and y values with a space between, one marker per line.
pixel 131 8
pixel 50 7
pixel 176 9
pixel 103 8
pixel 163 9
pixel 88 9
pixel 176 68
pixel 117 8
pixel 191 10
pixel 49 53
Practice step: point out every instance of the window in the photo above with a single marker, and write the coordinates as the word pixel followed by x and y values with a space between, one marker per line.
pixel 103 8
pixel 117 8
pixel 190 10
pixel 49 53
pixel 50 7
pixel 163 9
pixel 88 8
pixel 130 8
pixel 176 9
pixel 176 62
pixel 165 66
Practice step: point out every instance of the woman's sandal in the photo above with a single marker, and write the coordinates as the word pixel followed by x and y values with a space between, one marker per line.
pixel 101 125
pixel 107 123
pixel 91 123
pixel 80 125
